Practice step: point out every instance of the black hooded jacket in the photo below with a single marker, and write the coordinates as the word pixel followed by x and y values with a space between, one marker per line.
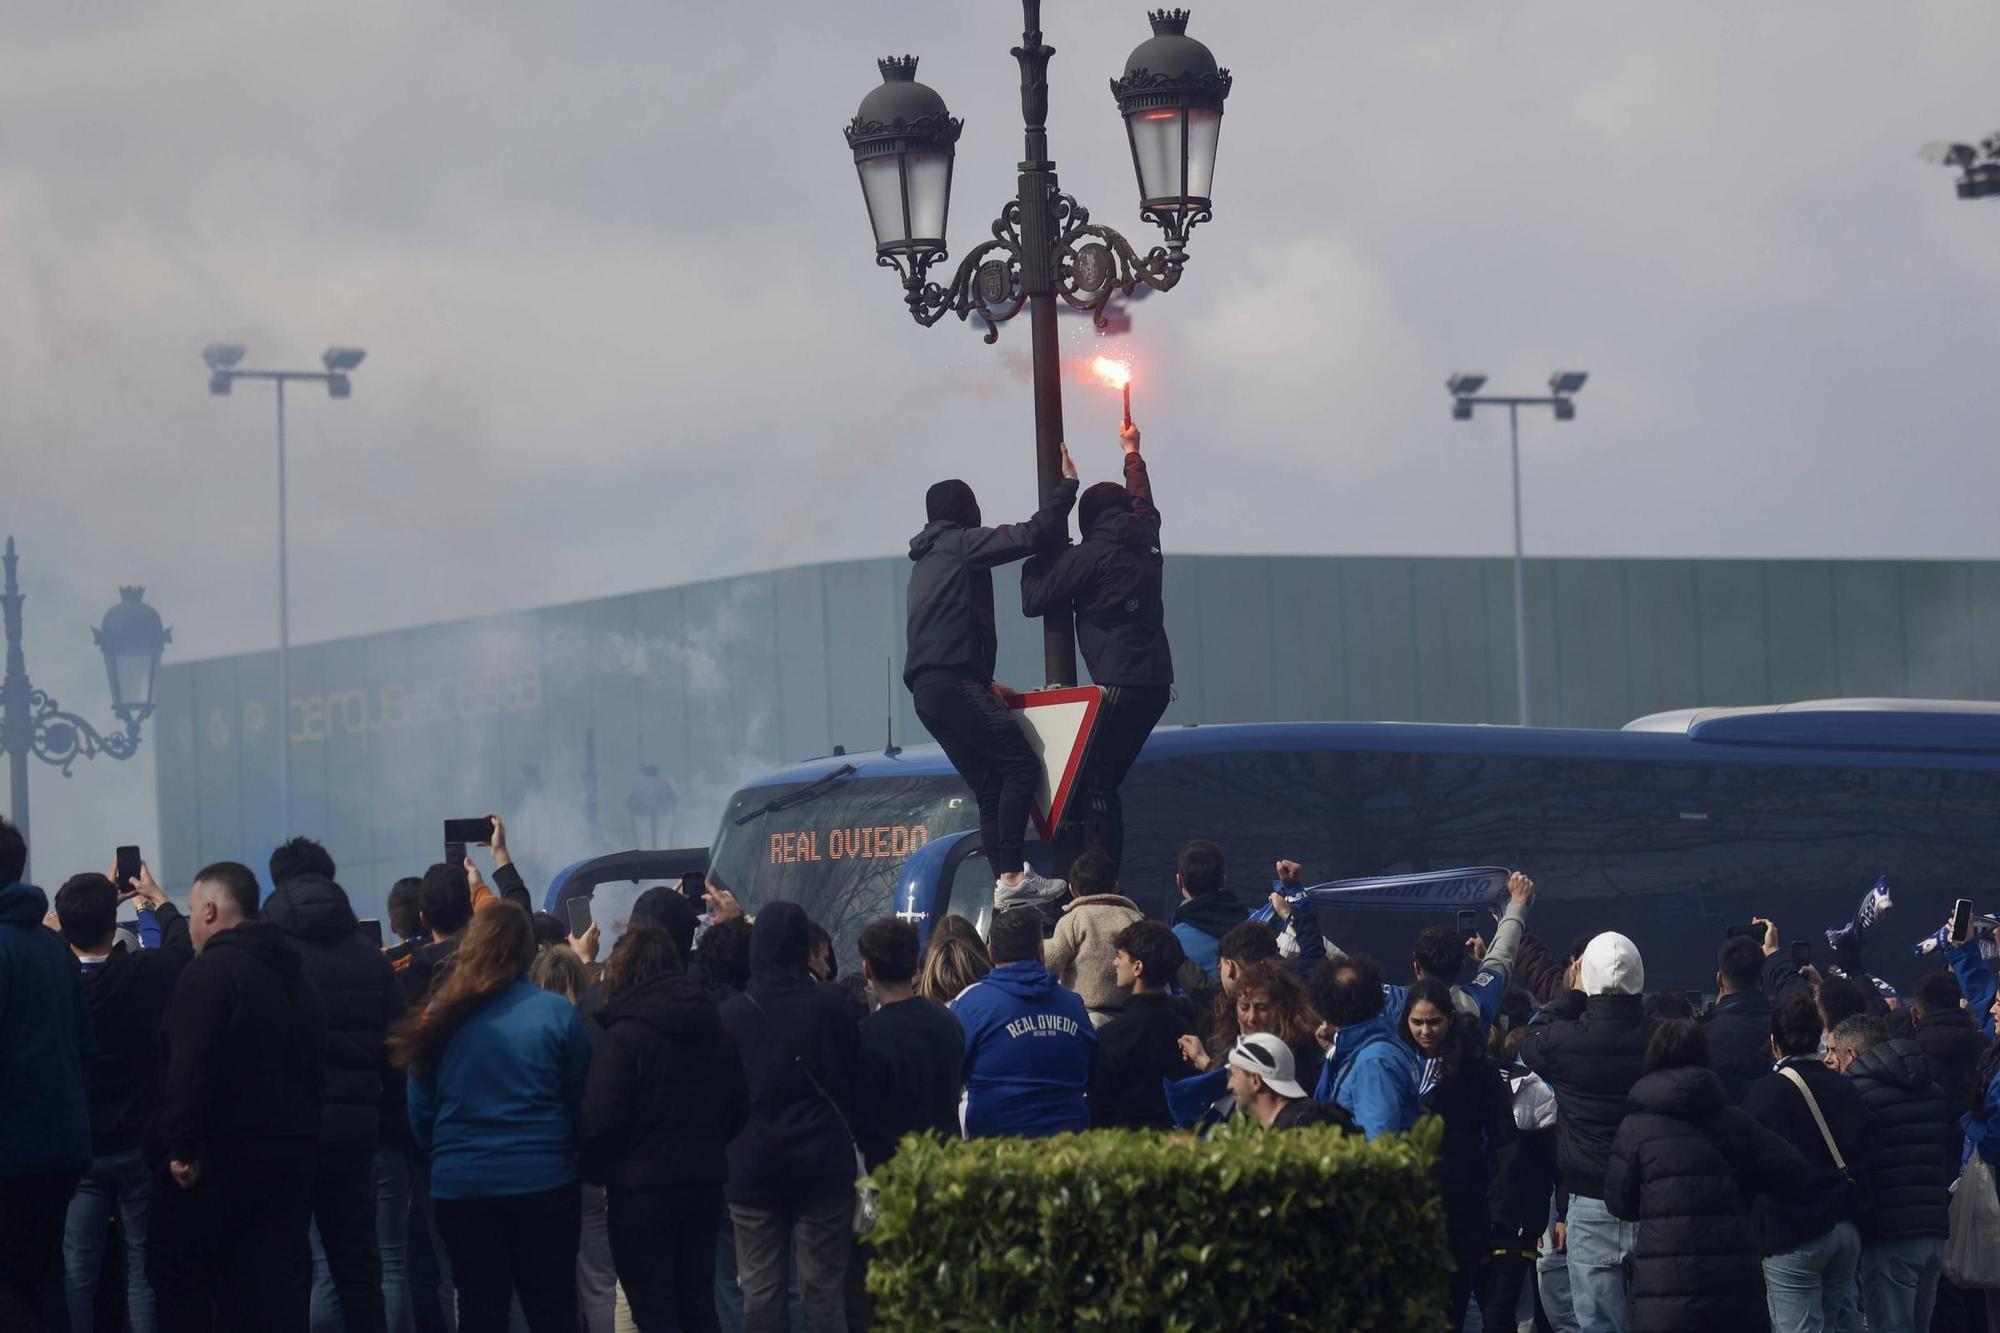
pixel 666 1091
pixel 129 994
pixel 1683 1166
pixel 1914 1153
pixel 363 1000
pixel 799 1041
pixel 246 1047
pixel 1112 581
pixel 950 602
pixel 1591 1058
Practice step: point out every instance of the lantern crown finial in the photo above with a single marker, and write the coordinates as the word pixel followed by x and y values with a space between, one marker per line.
pixel 1169 22
pixel 898 69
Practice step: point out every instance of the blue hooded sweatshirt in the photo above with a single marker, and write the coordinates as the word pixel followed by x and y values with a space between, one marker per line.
pixel 45 1043
pixel 1373 1074
pixel 1029 1048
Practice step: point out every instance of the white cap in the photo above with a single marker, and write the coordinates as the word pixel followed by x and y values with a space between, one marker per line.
pixel 1264 1055
pixel 1612 966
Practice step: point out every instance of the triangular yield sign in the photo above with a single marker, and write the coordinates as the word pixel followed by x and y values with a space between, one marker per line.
pixel 1058 725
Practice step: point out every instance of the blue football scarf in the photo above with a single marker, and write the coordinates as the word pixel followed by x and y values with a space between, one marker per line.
pixel 1873 903
pixel 1984 925
pixel 1475 886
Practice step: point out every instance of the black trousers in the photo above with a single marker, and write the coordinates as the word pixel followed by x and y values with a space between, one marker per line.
pixel 511 1243
pixel 1508 1263
pixel 663 1246
pixel 986 746
pixel 1096 816
pixel 231 1254
pixel 343 1204
pixel 32 1209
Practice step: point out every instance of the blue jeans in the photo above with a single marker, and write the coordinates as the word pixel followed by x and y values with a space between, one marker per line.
pixel 1600 1259
pixel 392 1233
pixel 1899 1282
pixel 1552 1280
pixel 1805 1287
pixel 118 1185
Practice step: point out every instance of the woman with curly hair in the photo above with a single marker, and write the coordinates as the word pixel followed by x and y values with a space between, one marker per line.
pixel 1268 998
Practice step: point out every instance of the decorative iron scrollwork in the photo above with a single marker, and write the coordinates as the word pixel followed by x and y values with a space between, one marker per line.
pixel 60 739
pixel 1092 262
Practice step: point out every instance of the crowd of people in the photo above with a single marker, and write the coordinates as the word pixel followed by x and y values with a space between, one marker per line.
pixel 247 1114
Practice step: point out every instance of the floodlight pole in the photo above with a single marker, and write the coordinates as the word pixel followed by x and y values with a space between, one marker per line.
pixel 1564 407
pixel 335 380
pixel 1520 580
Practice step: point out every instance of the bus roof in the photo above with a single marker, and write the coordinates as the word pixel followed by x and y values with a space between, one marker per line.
pixel 1883 733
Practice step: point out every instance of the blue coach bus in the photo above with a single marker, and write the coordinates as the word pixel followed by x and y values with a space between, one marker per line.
pixel 1670 830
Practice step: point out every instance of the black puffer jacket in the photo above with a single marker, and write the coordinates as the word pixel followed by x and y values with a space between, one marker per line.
pixel 666 1091
pixel 950 604
pixel 791 1031
pixel 359 988
pixel 1953 1043
pixel 1913 1157
pixel 246 1046
pixel 1112 581
pixel 1823 1198
pixel 1683 1166
pixel 1591 1055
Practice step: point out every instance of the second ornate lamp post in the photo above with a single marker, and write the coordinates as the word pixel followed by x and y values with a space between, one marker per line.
pixel 1043 246
pixel 32 723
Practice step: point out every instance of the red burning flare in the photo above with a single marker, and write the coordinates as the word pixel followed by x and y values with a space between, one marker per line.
pixel 1117 374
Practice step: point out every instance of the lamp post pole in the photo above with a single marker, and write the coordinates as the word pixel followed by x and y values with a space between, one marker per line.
pixel 1465 398
pixel 1037 197
pixel 1043 246
pixel 222 362
pixel 32 722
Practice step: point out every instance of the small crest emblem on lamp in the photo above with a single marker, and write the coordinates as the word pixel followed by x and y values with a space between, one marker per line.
pixel 994 281
pixel 1092 267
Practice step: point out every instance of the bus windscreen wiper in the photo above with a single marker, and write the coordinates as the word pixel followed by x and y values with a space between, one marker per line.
pixel 818 787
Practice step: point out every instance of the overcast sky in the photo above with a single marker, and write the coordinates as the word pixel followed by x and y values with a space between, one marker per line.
pixel 613 273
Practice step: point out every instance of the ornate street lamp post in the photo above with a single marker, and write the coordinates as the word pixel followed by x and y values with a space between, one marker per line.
pixel 1043 246
pixel 32 722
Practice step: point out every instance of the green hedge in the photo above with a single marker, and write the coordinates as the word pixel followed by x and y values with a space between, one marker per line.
pixel 1250 1229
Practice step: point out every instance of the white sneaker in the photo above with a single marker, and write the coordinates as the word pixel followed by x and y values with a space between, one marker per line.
pixel 1032 891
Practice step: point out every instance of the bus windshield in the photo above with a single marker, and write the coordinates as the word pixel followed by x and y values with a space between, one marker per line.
pixel 836 846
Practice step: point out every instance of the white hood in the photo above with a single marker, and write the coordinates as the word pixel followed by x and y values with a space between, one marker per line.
pixel 1612 966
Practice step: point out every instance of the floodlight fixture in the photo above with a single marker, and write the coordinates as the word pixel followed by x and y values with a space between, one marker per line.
pixel 1465 384
pixel 339 386
pixel 1565 382
pixel 1461 410
pixel 338 359
pixel 219 382
pixel 1565 409
pixel 222 356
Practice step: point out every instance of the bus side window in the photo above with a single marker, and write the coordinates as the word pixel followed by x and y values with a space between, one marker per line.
pixel 970 893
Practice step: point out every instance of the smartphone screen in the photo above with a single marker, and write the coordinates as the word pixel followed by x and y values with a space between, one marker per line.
pixel 371 927
pixel 476 832
pixel 579 915
pixel 1468 922
pixel 128 868
pixel 1961 919
pixel 693 886
pixel 454 853
pixel 1801 953
pixel 1751 932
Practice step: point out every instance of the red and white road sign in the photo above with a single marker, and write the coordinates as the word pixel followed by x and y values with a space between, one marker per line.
pixel 1058 725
